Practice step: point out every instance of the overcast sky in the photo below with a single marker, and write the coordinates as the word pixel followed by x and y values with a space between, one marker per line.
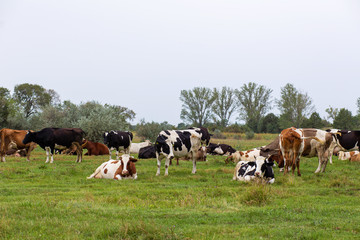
pixel 141 54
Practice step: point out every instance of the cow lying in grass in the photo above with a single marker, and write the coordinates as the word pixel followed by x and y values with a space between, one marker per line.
pixel 117 169
pixel 249 155
pixel 346 155
pixel 248 170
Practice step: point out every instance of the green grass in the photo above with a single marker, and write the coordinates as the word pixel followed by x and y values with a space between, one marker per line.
pixel 56 201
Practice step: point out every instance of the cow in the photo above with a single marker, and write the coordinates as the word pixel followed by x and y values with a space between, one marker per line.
pixel 94 148
pixel 346 140
pixel 147 152
pixel 179 143
pixel 16 153
pixel 346 155
pixel 135 147
pixel 220 149
pixel 317 143
pixel 249 170
pixel 118 140
pixel 117 169
pixel 13 140
pixel 249 155
pixel 48 138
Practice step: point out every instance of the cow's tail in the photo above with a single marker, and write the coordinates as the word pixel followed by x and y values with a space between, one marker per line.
pixel 315 138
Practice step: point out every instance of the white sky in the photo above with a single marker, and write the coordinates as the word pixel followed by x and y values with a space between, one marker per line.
pixel 140 54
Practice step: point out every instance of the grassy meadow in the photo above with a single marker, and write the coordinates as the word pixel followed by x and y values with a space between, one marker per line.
pixel 56 201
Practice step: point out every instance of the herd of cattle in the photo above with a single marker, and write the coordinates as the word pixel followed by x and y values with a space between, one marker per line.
pixel 193 143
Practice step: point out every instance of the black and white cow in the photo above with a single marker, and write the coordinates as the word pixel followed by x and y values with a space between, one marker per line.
pixel 179 143
pixel 147 152
pixel 118 140
pixel 220 149
pixel 262 168
pixel 48 138
pixel 346 140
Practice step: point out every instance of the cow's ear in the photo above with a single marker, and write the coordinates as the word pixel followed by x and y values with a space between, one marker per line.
pixel 133 159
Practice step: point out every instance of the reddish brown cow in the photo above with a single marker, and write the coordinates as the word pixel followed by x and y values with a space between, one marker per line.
pixel 355 158
pixel 13 139
pixel 291 146
pixel 95 148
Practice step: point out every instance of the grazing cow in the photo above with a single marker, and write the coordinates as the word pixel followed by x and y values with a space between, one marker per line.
pixel 172 143
pixel 117 169
pixel 118 140
pixel 261 167
pixel 95 148
pixel 346 140
pixel 346 155
pixel 13 140
pixel 135 147
pixel 147 152
pixel 220 149
pixel 249 155
pixel 48 138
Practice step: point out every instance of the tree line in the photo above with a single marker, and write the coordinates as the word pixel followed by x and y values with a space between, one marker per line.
pixel 31 106
pixel 252 104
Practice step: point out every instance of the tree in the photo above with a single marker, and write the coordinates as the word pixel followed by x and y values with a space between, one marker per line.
pixel 358 105
pixel 254 102
pixel 96 119
pixel 344 120
pixel 196 105
pixel 152 129
pixel 224 105
pixel 269 124
pixel 294 106
pixel 31 97
pixel 314 121
pixel 4 106
pixel 332 112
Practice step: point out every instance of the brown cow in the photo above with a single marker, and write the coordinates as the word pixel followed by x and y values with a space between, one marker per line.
pixel 13 139
pixel 95 148
pixel 291 146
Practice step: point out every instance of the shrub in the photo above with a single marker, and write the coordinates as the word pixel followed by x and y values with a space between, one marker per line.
pixel 249 134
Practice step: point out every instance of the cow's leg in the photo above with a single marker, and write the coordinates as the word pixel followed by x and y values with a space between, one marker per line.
pixel 320 160
pixel 109 153
pixel 47 149
pixel 2 155
pixel 78 150
pixel 117 154
pixel 28 151
pixel 158 159
pixel 52 154
pixel 167 163
pixel 194 163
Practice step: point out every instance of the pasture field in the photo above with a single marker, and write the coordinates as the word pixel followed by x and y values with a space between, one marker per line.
pixel 56 201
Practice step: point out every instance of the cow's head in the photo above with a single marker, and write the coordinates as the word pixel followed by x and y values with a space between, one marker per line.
pixel 29 137
pixel 128 164
pixel 205 135
pixel 131 135
pixel 106 137
pixel 161 145
pixel 264 169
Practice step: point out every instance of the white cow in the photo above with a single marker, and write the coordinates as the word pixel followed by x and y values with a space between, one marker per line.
pixel 117 169
pixel 346 155
pixel 135 147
